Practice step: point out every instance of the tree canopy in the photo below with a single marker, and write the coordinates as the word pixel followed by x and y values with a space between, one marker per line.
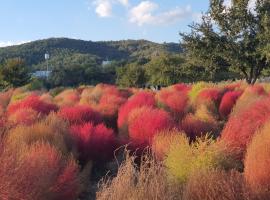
pixel 231 38
pixel 14 73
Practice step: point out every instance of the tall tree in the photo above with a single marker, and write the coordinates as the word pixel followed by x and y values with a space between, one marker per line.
pixel 131 75
pixel 165 70
pixel 235 36
pixel 14 72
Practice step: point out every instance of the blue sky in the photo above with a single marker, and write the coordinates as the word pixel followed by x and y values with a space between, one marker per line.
pixel 155 20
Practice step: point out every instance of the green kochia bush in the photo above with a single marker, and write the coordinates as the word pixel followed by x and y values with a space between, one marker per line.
pixel 183 159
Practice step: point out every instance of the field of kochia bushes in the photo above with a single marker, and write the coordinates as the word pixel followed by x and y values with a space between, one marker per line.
pixel 201 141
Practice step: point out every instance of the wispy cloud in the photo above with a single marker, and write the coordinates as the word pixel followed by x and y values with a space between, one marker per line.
pixel 11 43
pixel 103 8
pixel 144 14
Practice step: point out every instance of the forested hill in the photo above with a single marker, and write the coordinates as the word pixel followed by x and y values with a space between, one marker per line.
pixel 63 49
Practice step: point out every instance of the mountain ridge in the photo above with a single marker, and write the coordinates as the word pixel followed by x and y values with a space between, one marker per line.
pixel 33 52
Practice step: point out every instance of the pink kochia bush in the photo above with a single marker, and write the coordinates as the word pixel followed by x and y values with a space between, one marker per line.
pixel 146 122
pixel 211 94
pixel 228 101
pixel 94 143
pixel 241 127
pixel 79 115
pixel 32 102
pixel 39 172
pixel 138 100
pixel 173 101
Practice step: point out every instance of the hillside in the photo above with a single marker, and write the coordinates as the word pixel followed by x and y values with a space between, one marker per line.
pixel 62 50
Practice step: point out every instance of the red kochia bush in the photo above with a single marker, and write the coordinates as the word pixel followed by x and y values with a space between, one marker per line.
pixel 195 127
pixel 34 103
pixel 211 95
pixel 95 143
pixel 241 127
pixel 25 116
pixel 138 100
pixel 228 101
pixel 257 161
pixel 180 87
pixel 38 172
pixel 173 101
pixel 79 115
pixel 148 122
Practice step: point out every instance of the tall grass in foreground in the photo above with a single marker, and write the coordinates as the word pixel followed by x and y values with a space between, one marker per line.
pixel 134 182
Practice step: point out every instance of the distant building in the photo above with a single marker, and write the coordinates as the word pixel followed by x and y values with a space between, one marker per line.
pixel 105 62
pixel 41 74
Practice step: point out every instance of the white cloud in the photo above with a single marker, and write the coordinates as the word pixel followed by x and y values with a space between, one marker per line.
pixel 103 8
pixel 124 2
pixel 143 14
pixel 10 43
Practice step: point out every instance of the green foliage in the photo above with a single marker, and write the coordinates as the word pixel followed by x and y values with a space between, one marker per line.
pixel 184 159
pixel 14 73
pixel 165 70
pixel 35 84
pixel 132 75
pixel 231 39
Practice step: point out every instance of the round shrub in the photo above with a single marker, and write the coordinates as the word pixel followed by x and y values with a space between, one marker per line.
pixel 136 101
pixel 79 115
pixel 67 98
pixel 228 101
pixel 162 141
pixel 147 122
pixel 34 103
pixel 94 143
pixel 257 161
pixel 195 127
pixel 173 101
pixel 51 130
pixel 183 159
pixel 241 127
pixel 38 171
pixel 24 116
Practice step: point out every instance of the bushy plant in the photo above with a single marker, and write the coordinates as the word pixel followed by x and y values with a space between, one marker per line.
pixel 79 115
pixel 257 162
pixel 94 143
pixel 173 101
pixel 138 100
pixel 34 103
pixel 51 130
pixel 183 158
pixel 195 126
pixel 24 116
pixel 196 89
pixel 147 122
pixel 162 141
pixel 67 98
pixel 241 127
pixel 228 101
pixel 38 171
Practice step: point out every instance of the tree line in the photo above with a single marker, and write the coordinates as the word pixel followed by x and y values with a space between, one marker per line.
pixel 230 42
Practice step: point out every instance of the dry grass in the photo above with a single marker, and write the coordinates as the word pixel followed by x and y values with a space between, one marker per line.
pixel 216 185
pixel 147 181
